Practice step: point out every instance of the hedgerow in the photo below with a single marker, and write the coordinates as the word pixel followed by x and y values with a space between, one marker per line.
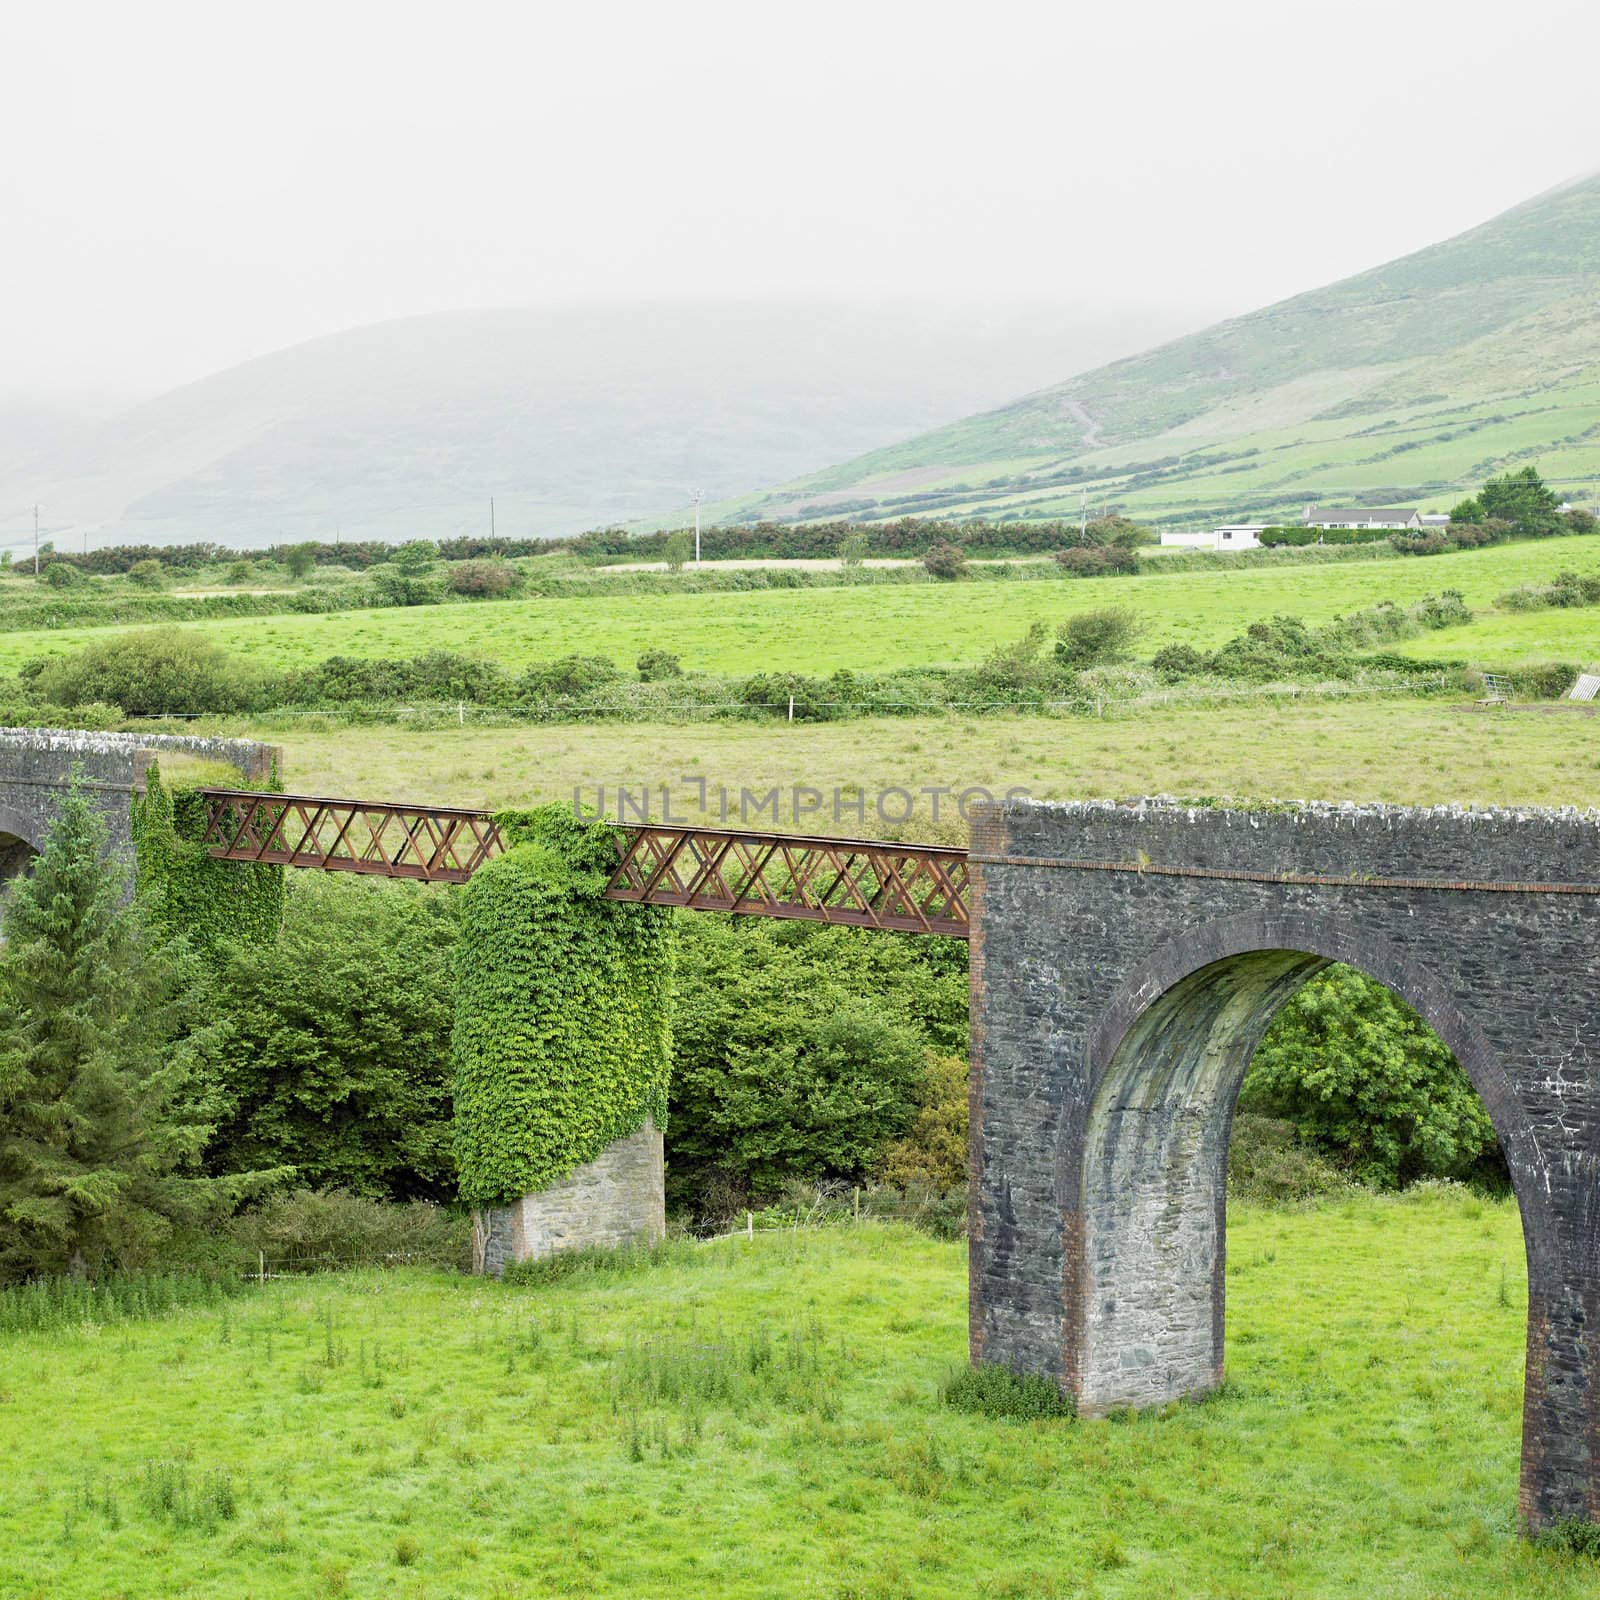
pixel 562 1038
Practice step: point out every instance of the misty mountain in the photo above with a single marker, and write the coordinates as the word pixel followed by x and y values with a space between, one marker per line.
pixel 570 419
pixel 1402 384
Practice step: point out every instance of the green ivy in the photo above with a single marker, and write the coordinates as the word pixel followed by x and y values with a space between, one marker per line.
pixel 184 888
pixel 562 1038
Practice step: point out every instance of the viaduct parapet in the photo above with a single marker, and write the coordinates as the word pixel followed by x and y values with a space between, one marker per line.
pixel 37 765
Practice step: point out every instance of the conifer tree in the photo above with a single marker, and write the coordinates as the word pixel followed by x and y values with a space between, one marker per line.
pixel 101 1115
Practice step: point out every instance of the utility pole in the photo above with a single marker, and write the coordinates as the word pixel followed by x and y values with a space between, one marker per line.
pixel 36 541
pixel 698 496
pixel 1083 512
pixel 491 516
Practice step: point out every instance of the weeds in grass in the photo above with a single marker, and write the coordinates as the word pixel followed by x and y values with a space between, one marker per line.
pixel 406 1551
pixel 998 1392
pixel 738 1373
pixel 1575 1536
pixel 598 1263
pixel 169 1491
pixel 50 1304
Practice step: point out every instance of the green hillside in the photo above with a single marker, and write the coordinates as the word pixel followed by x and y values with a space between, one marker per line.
pixel 1402 384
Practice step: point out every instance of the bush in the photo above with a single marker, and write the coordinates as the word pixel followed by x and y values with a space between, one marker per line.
pixel 395 587
pixel 62 575
pixel 1268 1163
pixel 438 675
pixel 655 665
pixel 1544 680
pixel 946 561
pixel 239 571
pixel 1566 589
pixel 483 579
pixel 1283 647
pixel 335 1229
pixel 1365 1080
pixel 567 678
pixel 1097 562
pixel 1176 661
pixel 1572 1536
pixel 801 1053
pixel 147 574
pixel 933 1153
pixel 333 1050
pixel 300 559
pixel 789 693
pixel 1006 1396
pixel 1117 533
pixel 1096 638
pixel 158 671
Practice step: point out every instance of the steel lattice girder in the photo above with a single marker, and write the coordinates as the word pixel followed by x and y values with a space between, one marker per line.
pixel 860 883
pixel 904 888
pixel 440 844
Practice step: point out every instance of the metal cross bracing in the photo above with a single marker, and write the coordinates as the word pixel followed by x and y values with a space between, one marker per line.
pixel 440 844
pixel 902 888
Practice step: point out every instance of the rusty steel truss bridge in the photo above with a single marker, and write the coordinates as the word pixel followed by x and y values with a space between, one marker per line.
pixel 859 883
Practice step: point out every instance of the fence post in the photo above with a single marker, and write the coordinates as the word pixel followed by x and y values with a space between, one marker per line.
pixel 261 1268
pixel 791 708
pixel 750 1226
pixel 855 1200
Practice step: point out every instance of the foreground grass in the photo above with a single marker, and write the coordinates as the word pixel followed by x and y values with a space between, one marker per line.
pixel 1397 750
pixel 818 630
pixel 419 1435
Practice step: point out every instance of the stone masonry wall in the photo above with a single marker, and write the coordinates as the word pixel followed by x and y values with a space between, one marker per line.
pixel 36 764
pixel 1125 959
pixel 618 1198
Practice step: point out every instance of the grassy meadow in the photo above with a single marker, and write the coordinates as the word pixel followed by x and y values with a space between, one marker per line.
pixel 765 1419
pixel 1406 751
pixel 818 630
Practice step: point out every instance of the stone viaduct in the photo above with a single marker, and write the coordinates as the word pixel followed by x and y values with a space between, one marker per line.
pixel 37 764
pixel 1126 960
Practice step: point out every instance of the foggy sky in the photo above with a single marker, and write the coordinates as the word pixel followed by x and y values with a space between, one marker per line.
pixel 185 186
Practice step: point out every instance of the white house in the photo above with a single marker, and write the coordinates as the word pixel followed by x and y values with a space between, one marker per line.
pixel 1389 518
pixel 1237 536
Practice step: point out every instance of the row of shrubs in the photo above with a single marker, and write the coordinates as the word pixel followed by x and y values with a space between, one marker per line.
pixel 177 672
pixel 907 536
pixel 1566 589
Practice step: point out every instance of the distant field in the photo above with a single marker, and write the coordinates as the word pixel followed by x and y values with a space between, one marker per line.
pixel 420 1435
pixel 1510 638
pixel 1399 750
pixel 819 630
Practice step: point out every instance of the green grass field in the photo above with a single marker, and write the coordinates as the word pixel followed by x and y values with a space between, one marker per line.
pixel 1400 750
pixel 817 631
pixel 418 1435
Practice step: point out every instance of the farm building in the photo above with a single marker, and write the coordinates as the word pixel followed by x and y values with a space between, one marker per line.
pixel 1236 536
pixel 1386 517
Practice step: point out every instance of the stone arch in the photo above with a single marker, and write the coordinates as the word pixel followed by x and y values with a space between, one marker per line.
pixel 1144 1290
pixel 18 846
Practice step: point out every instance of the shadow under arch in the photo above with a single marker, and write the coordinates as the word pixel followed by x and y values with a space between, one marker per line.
pixel 18 847
pixel 1146 1190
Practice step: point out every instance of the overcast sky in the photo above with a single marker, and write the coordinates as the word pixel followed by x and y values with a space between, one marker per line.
pixel 185 186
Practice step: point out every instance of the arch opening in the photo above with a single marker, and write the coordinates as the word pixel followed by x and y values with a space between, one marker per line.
pixel 16 857
pixel 1146 1314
